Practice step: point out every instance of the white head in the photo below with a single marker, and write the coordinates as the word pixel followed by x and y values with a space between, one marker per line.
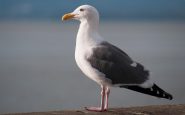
pixel 83 13
pixel 89 18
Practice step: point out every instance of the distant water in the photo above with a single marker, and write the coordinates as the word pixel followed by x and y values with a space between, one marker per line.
pixel 38 71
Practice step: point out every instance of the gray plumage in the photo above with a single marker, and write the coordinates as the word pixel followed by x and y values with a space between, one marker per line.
pixel 116 65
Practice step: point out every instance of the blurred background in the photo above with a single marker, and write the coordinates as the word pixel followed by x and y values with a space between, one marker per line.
pixel 37 66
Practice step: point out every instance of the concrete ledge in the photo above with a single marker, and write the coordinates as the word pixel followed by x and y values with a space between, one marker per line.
pixel 144 110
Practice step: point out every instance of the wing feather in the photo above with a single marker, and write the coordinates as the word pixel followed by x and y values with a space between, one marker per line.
pixel 116 65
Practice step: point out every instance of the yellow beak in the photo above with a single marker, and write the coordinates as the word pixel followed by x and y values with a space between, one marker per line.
pixel 68 16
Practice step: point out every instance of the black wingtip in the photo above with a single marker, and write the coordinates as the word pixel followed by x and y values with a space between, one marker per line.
pixel 167 96
pixel 171 97
pixel 153 91
pixel 162 93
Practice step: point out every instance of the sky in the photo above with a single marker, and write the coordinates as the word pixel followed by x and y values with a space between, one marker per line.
pixel 109 9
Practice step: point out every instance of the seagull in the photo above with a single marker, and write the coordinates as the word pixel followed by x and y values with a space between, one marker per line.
pixel 105 63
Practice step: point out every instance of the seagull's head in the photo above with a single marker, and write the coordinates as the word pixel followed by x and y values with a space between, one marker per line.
pixel 83 13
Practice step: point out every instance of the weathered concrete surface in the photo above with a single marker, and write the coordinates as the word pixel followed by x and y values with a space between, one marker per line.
pixel 145 110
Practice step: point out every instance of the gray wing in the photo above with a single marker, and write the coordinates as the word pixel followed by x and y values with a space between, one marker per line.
pixel 116 65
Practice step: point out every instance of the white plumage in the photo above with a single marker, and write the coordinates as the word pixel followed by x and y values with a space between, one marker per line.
pixel 105 63
pixel 87 39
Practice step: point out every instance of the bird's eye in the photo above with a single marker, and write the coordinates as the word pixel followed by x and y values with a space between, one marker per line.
pixel 81 10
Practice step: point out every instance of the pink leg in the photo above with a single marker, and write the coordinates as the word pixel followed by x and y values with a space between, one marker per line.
pixel 107 92
pixel 101 108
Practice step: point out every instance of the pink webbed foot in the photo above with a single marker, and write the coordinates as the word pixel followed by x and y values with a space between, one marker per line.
pixel 96 109
pixel 104 101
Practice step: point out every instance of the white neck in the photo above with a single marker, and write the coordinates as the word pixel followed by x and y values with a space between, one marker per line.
pixel 88 33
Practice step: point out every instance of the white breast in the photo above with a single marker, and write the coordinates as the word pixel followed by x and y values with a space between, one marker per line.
pixel 81 55
pixel 85 42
